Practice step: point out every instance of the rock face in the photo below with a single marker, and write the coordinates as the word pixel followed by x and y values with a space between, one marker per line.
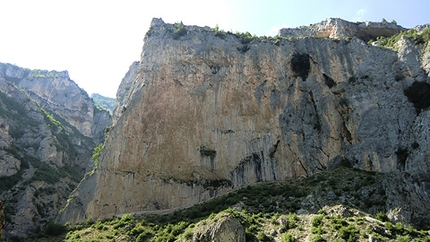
pixel 125 91
pixel 68 101
pixel 337 28
pixel 226 228
pixel 103 102
pixel 42 156
pixel 210 112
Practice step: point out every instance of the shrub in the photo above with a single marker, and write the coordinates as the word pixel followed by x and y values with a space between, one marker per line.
pixel 261 236
pixel 137 230
pixel 292 219
pixel 179 228
pixel 389 226
pixel 348 232
pixel 288 238
pixel 89 221
pixel 403 238
pixel 381 216
pixel 179 31
pixel 338 223
pixel 399 226
pixel 96 154
pixel 318 238
pixel 127 217
pixel 188 234
pixel 252 229
pixel 317 230
pixel 245 38
pixel 317 221
pixel 218 32
pixel 418 39
pixel 99 226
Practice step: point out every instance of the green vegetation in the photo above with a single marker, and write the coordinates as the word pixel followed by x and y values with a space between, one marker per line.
pixel 96 153
pixel 95 156
pixel 103 103
pixel 13 110
pixel 262 209
pixel 246 37
pixel 22 122
pixel 421 39
pixel 43 74
pixel 179 30
pixel 288 238
pixel 381 216
pixel 218 32
pixel 63 139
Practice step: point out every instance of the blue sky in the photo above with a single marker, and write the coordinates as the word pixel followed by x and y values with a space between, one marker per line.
pixel 97 40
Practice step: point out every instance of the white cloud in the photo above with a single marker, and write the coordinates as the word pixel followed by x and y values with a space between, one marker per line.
pixel 274 30
pixel 360 14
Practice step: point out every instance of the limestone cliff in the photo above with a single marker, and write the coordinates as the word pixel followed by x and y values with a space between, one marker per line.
pixel 57 93
pixel 212 111
pixel 337 28
pixel 42 156
pixel 125 91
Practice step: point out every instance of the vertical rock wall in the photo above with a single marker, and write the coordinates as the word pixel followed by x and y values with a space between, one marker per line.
pixel 211 112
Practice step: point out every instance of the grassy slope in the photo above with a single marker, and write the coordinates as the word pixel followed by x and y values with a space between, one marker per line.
pixel 343 205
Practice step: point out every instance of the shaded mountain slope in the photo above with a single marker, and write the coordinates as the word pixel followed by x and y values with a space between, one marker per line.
pixel 43 157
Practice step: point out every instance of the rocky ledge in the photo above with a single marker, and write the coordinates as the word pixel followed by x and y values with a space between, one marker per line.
pixel 336 28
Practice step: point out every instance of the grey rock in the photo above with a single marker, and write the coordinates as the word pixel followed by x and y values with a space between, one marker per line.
pixel 409 54
pixel 68 101
pixel 338 28
pixel 226 228
pixel 125 91
pixel 302 212
pixel 331 195
pixel 264 110
pixel 46 158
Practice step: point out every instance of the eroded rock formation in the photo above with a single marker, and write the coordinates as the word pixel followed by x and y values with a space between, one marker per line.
pixel 337 28
pixel 125 91
pixel 225 228
pixel 43 156
pixel 213 111
pixel 58 94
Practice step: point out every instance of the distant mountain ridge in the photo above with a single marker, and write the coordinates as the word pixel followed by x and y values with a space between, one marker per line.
pixel 48 128
pixel 103 102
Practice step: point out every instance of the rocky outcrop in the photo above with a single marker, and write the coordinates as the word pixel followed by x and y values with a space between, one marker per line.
pixel 58 94
pixel 42 156
pixel 337 28
pixel 224 228
pixel 125 91
pixel 211 112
